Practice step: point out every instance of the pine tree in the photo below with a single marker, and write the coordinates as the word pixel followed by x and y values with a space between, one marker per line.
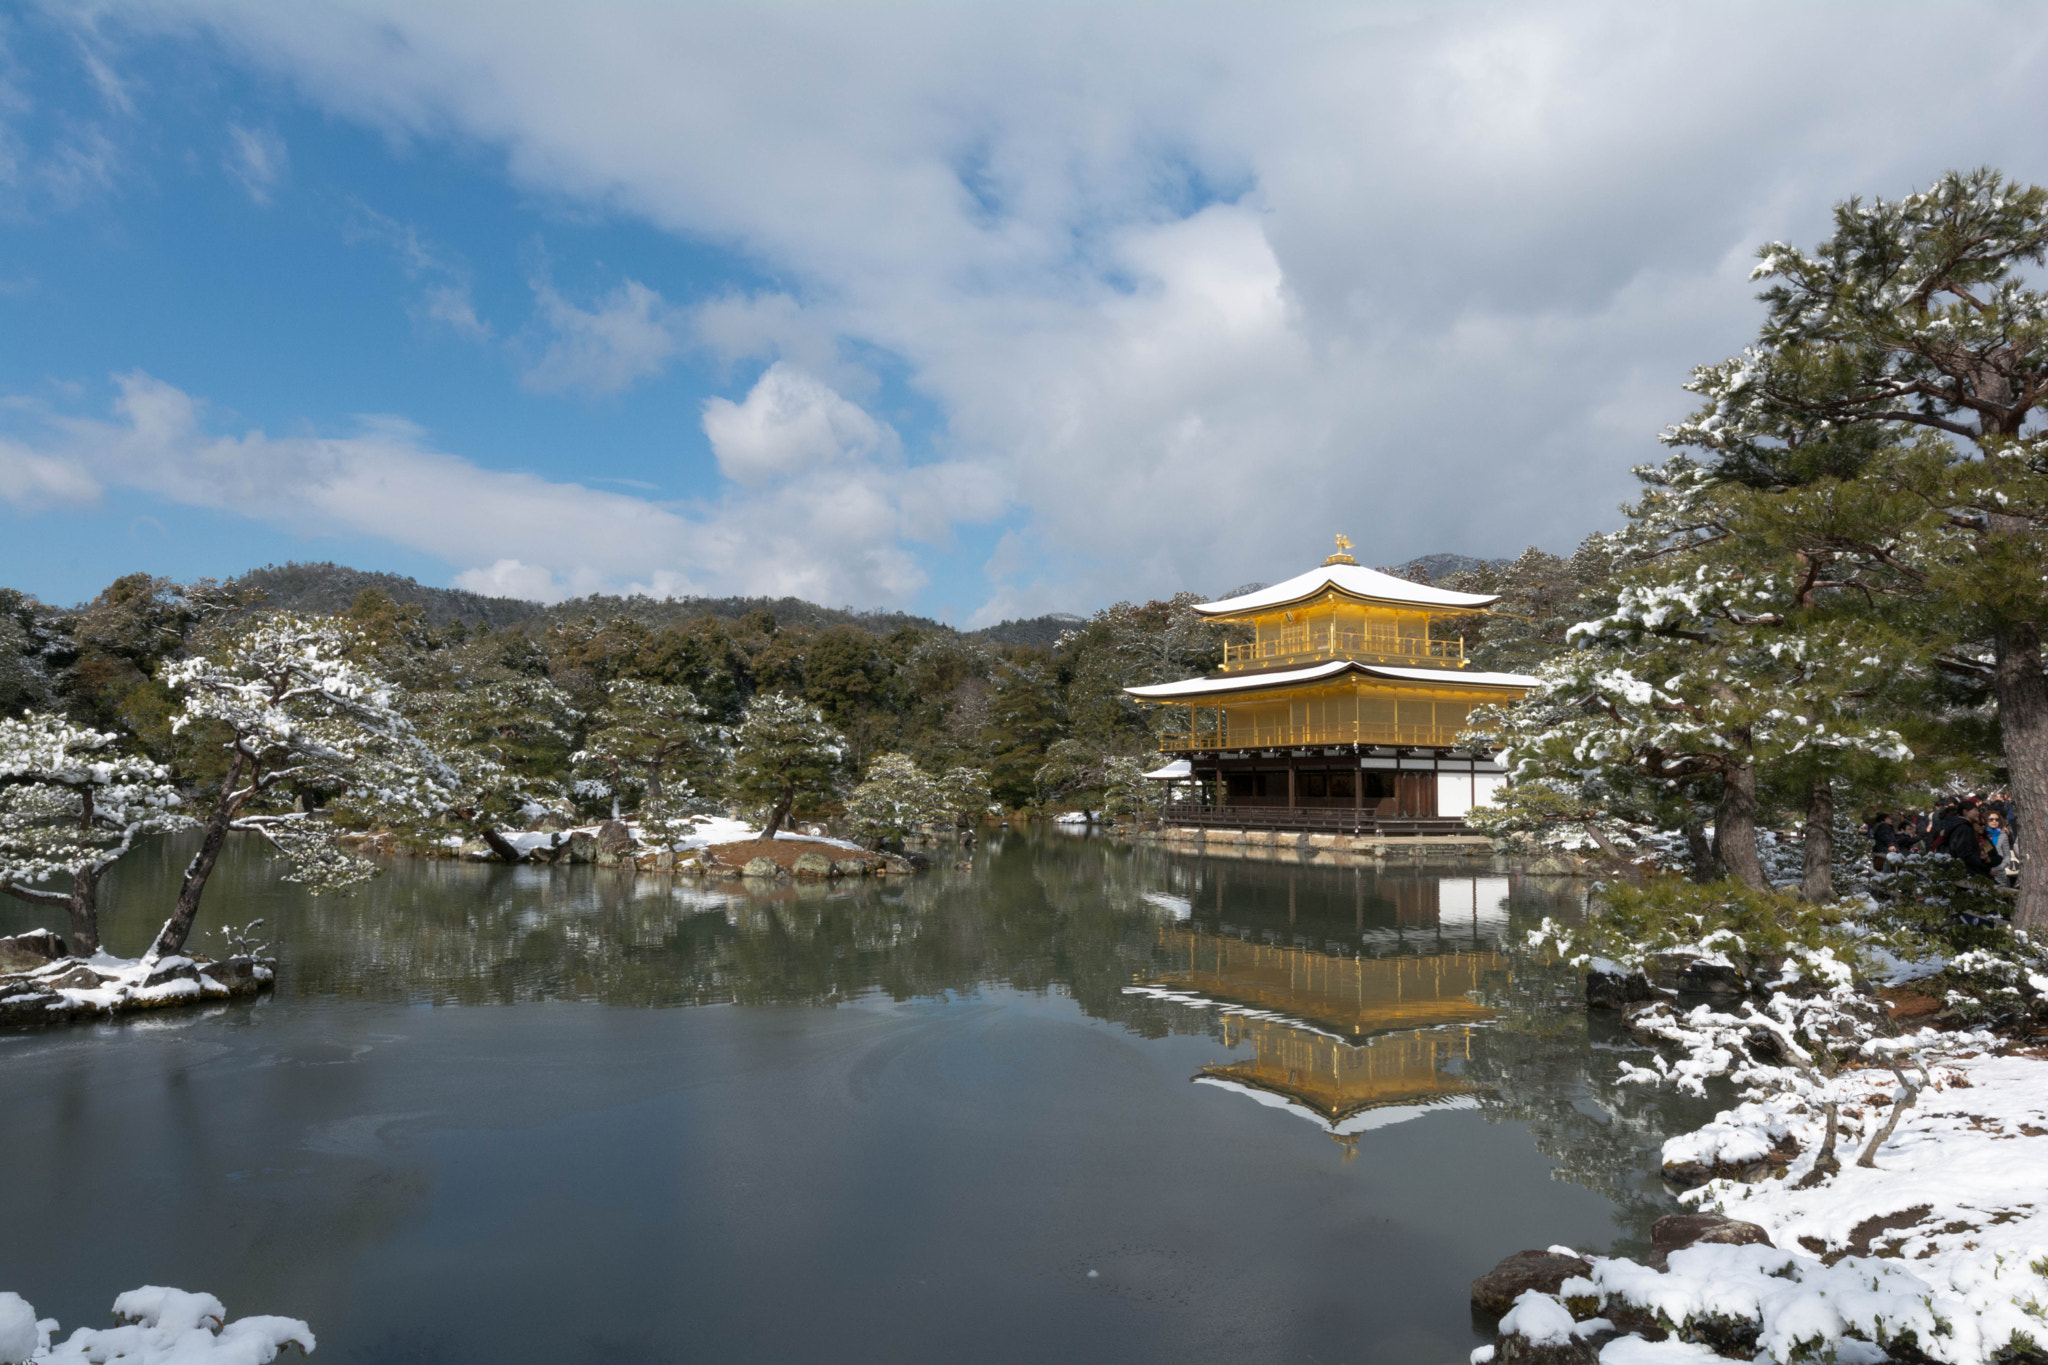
pixel 783 755
pixel 1915 316
pixel 651 736
pixel 1718 665
pixel 897 798
pixel 295 713
pixel 72 803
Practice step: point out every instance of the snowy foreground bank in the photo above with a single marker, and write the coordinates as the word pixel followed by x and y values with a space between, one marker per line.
pixel 1938 1251
pixel 157 1326
pixel 41 984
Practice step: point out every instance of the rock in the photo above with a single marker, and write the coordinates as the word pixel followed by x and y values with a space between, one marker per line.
pixel 579 848
pixel 1496 1291
pixel 1551 865
pixel 476 851
pixel 761 867
pixel 850 867
pixel 29 950
pixel 1607 990
pixel 27 1006
pixel 812 865
pixel 1675 1231
pixel 238 974
pixel 1709 978
pixel 1515 1349
pixel 893 866
pixel 79 978
pixel 613 837
pixel 551 822
pixel 656 860
pixel 172 969
pixel 964 865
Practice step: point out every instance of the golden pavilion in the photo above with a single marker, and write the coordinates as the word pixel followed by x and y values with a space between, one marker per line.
pixel 1341 713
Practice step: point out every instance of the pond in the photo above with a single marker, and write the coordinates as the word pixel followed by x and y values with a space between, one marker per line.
pixel 1087 1100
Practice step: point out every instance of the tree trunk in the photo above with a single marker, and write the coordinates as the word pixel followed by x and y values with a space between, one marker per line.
pixel 1735 828
pixel 85 912
pixel 171 938
pixel 500 845
pixel 778 815
pixel 651 804
pixel 2023 722
pixel 1817 883
pixel 1706 863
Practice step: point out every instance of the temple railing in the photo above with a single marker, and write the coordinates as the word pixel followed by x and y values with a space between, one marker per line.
pixel 1308 736
pixel 1314 643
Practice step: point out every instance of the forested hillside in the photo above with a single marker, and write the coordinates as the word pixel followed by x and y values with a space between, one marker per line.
pixel 1037 703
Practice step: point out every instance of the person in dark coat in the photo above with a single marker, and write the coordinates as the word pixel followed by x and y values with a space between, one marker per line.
pixel 1958 836
pixel 1884 839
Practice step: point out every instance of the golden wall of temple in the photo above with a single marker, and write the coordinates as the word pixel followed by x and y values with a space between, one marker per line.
pixel 1347 711
pixel 1346 995
pixel 1335 627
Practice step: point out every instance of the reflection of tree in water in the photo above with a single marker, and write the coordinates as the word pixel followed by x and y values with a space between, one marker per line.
pixel 1548 1064
pixel 1090 917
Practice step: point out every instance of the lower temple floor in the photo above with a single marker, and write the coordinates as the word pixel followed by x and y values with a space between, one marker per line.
pixel 1349 789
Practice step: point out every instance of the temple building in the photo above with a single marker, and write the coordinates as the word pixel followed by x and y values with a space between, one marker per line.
pixel 1341 712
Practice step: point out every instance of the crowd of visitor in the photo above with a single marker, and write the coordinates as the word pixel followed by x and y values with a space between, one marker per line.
pixel 1980 832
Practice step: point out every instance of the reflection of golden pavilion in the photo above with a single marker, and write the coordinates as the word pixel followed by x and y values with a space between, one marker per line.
pixel 1334 1037
pixel 1336 1080
pixel 1346 995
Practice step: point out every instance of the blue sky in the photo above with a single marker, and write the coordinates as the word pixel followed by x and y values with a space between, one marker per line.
pixel 974 311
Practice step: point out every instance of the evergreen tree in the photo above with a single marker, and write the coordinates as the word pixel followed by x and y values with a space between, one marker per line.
pixel 784 755
pixel 297 715
pixel 896 799
pixel 71 805
pixel 651 736
pixel 1915 316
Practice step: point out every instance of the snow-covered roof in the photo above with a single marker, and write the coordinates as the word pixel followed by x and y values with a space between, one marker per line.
pixel 1351 580
pixel 1259 682
pixel 1180 767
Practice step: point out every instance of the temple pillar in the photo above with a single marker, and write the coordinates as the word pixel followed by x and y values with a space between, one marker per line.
pixel 1290 782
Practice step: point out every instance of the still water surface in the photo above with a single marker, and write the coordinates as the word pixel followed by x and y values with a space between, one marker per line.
pixel 1084 1102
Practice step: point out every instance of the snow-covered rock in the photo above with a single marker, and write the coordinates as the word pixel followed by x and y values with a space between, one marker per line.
pixel 158 1326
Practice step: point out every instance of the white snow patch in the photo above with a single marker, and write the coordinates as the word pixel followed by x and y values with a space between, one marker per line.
pixel 159 1326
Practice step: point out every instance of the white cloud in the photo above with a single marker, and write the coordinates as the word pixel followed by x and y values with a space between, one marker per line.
pixel 258 158
pixel 790 423
pixel 1190 288
pixel 629 336
pixel 32 481
pixel 835 533
pixel 512 578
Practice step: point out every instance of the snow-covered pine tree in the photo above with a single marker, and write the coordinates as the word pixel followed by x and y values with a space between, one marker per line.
pixel 296 714
pixel 651 736
pixel 72 802
pixel 509 743
pixel 784 754
pixel 1915 315
pixel 896 798
pixel 1717 660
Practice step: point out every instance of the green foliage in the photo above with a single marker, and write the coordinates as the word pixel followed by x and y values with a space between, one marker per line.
pixel 897 799
pixel 784 757
pixel 1755 930
pixel 651 737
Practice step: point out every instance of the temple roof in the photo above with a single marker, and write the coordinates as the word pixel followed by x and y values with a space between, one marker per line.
pixel 1352 581
pixel 1294 677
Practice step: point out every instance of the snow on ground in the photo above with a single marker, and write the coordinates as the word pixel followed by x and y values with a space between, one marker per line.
pixel 1956 1208
pixel 1959 1193
pixel 158 1327
pixel 103 982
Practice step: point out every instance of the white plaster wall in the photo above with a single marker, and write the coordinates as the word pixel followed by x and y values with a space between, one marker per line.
pixel 1485 786
pixel 1453 793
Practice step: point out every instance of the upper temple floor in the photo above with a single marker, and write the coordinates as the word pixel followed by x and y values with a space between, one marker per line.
pixel 1343 611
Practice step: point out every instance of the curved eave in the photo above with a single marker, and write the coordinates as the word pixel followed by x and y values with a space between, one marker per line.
pixel 1190 688
pixel 1366 586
